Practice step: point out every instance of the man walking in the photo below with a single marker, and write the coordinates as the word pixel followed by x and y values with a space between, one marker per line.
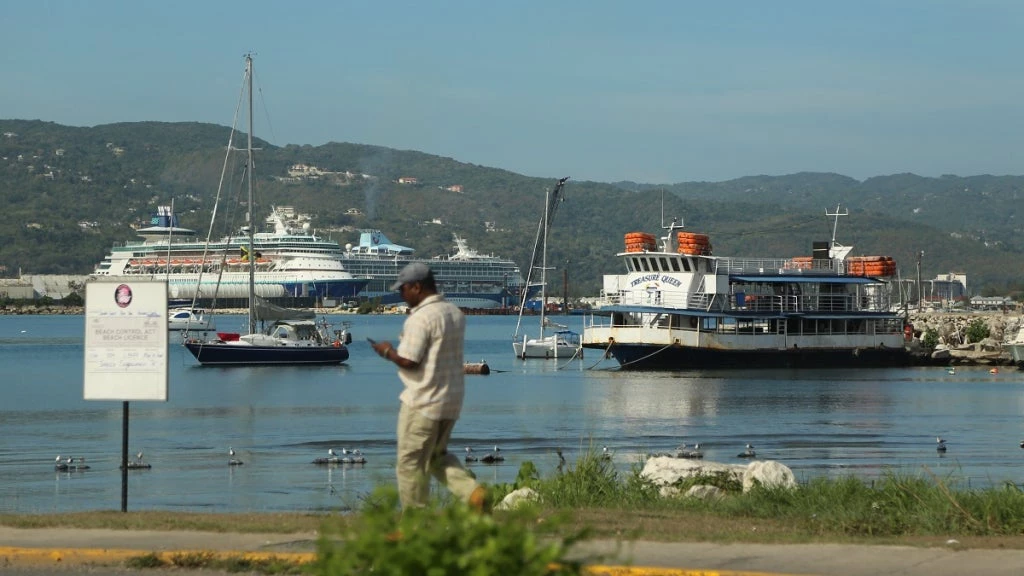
pixel 430 365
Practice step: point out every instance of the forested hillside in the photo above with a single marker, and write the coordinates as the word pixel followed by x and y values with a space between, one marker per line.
pixel 69 193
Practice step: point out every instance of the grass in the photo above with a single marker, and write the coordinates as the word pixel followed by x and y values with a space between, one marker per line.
pixel 592 497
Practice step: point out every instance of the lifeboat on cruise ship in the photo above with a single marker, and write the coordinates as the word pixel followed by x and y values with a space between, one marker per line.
pixel 799 263
pixel 693 243
pixel 640 242
pixel 878 266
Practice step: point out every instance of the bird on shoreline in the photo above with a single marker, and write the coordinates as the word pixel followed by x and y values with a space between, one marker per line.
pixel 941 447
pixel 748 453
pixel 494 456
pixel 232 461
pixel 469 455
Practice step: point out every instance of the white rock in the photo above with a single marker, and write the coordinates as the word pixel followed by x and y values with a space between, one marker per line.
pixel 768 473
pixel 666 471
pixel 705 492
pixel 517 498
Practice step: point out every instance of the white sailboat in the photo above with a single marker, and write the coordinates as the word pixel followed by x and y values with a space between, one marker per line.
pixel 561 343
pixel 293 336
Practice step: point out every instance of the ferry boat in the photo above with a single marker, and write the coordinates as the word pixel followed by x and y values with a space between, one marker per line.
pixel 291 262
pixel 467 278
pixel 679 307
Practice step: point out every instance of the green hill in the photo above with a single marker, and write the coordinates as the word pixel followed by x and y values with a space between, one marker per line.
pixel 69 193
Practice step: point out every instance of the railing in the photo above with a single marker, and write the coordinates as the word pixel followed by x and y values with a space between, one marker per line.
pixel 765 303
pixel 775 266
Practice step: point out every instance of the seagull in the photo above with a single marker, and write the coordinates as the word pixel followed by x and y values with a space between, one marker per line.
pixel 471 458
pixel 1021 445
pixel 494 456
pixel 233 461
pixel 748 453
pixel 941 445
pixel 139 456
pixel 330 452
pixel 606 454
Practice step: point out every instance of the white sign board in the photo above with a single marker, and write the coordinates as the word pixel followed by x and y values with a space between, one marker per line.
pixel 126 341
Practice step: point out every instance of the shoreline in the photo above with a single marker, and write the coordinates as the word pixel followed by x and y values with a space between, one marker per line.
pixel 986 353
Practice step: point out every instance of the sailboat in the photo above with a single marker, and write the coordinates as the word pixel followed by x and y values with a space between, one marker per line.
pixel 561 342
pixel 292 336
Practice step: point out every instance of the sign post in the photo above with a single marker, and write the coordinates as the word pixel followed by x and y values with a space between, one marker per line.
pixel 125 349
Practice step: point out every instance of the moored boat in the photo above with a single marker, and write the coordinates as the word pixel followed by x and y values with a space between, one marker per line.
pixel 293 336
pixel 678 307
pixel 1015 347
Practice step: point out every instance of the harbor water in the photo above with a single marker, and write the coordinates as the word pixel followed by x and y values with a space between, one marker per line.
pixel 279 419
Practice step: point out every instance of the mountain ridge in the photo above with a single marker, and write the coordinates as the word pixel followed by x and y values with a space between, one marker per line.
pixel 71 192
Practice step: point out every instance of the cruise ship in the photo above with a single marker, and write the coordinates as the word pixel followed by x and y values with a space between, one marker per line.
pixel 467 278
pixel 291 262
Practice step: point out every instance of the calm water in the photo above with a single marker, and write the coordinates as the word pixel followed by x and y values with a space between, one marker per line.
pixel 279 419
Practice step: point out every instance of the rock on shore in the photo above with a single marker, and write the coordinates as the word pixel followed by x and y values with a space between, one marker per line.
pixel 955 347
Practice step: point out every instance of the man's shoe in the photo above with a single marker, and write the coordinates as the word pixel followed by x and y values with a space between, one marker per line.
pixel 480 500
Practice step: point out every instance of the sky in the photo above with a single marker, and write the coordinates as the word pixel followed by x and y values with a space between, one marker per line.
pixel 650 91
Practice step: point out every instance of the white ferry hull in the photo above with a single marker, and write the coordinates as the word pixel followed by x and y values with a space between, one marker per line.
pixel 662 349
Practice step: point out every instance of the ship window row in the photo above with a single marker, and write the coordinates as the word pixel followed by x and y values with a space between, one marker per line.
pixel 660 264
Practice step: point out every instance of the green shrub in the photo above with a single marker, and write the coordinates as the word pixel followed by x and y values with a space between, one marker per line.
pixel 594 481
pixel 930 339
pixel 438 540
pixel 528 477
pixel 977 330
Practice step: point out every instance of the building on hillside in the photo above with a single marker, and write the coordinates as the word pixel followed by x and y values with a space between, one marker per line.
pixel 947 287
pixel 17 289
pixel 455 188
pixel 408 180
pixel 991 303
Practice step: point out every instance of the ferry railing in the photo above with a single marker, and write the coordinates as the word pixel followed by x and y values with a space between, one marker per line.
pixel 773 266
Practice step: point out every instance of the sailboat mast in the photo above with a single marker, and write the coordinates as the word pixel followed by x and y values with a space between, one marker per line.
pixel 544 263
pixel 249 205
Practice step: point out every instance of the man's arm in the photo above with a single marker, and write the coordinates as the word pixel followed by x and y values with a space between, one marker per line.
pixel 386 351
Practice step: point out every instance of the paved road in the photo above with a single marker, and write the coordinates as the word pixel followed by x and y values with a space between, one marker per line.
pixel 60 551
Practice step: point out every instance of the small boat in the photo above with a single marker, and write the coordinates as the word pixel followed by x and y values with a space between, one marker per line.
pixel 189 319
pixel 293 336
pixel 562 343
pixel 1015 346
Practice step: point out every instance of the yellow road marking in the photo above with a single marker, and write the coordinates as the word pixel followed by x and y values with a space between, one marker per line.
pixel 10 555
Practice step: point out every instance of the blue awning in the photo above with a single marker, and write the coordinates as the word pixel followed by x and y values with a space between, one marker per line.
pixel 806 279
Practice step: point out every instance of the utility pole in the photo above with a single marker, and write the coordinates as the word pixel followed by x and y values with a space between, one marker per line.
pixel 565 288
pixel 919 293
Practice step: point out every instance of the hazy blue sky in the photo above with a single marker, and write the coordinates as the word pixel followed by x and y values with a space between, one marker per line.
pixel 652 91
